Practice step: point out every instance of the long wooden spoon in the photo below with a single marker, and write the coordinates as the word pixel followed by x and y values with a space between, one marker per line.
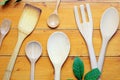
pixel 108 26
pixel 58 47
pixel 26 25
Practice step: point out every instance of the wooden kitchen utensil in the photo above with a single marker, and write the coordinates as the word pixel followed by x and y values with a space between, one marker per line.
pixel 86 29
pixel 33 51
pixel 58 47
pixel 108 26
pixel 26 25
pixel 53 20
pixel 4 29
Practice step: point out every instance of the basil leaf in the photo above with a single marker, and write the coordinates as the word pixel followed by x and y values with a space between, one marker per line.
pixel 78 68
pixel 93 74
pixel 18 0
pixel 4 2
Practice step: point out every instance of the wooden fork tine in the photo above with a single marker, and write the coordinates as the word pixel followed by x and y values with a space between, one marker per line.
pixel 82 13
pixel 77 16
pixel 89 12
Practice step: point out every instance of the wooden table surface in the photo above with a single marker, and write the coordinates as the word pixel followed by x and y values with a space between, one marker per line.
pixel 44 69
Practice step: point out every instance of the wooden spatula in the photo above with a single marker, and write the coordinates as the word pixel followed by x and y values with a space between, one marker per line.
pixel 26 25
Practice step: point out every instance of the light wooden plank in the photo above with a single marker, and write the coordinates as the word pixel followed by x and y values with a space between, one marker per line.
pixel 72 0
pixel 44 69
pixel 65 12
pixel 78 46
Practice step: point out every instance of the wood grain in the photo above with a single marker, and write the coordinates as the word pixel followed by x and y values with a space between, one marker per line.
pixel 67 20
pixel 72 0
pixel 44 68
pixel 78 46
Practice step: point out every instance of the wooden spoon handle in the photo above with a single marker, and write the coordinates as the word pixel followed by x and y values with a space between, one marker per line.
pixel 102 54
pixel 57 73
pixel 10 66
pixel 32 70
pixel 57 5
pixel 1 38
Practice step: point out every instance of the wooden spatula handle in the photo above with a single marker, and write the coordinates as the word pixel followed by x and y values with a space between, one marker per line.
pixel 10 66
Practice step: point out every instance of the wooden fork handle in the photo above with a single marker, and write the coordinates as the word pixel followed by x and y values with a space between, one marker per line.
pixel 92 55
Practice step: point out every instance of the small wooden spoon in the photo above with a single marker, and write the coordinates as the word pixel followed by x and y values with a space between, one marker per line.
pixel 33 52
pixel 53 20
pixel 4 29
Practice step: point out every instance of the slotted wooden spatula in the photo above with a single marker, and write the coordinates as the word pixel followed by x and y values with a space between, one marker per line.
pixel 28 20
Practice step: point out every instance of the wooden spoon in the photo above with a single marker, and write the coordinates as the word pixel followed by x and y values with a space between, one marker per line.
pixel 26 25
pixel 33 52
pixel 53 20
pixel 108 26
pixel 4 29
pixel 58 47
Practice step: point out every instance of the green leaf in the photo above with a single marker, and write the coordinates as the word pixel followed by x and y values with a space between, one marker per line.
pixel 4 2
pixel 78 68
pixel 18 0
pixel 93 74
